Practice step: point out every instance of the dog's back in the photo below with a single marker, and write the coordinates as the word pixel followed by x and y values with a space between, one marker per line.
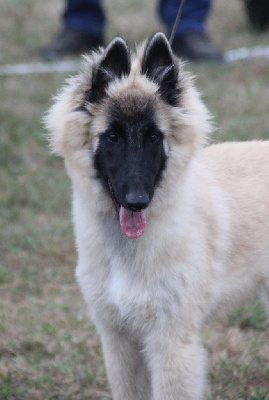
pixel 241 169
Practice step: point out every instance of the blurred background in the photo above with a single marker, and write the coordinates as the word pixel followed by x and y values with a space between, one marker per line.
pixel 48 347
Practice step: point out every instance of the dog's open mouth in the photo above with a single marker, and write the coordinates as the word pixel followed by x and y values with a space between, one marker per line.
pixel 132 223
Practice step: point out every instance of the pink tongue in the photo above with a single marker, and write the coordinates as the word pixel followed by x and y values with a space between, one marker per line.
pixel 132 224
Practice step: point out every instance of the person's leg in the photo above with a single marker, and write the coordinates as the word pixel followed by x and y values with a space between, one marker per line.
pixel 193 16
pixel 84 16
pixel 190 40
pixel 83 27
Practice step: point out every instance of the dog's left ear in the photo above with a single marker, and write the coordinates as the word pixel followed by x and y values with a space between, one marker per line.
pixel 160 66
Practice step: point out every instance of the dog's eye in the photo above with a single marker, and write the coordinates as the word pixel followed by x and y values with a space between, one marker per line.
pixel 153 138
pixel 112 137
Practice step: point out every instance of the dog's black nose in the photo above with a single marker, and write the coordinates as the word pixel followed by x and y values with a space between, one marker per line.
pixel 137 201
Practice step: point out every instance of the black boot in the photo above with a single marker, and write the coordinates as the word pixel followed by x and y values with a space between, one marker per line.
pixel 196 46
pixel 258 13
pixel 70 42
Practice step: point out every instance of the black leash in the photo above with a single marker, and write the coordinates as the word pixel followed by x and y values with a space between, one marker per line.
pixel 179 13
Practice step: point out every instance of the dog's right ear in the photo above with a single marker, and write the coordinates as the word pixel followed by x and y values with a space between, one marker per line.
pixel 114 64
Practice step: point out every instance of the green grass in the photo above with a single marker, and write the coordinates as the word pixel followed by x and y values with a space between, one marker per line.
pixel 48 347
pixel 250 317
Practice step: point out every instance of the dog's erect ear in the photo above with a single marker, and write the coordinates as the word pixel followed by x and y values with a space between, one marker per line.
pixel 160 66
pixel 114 64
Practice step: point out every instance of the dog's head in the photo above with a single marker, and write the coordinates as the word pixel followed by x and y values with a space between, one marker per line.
pixel 125 119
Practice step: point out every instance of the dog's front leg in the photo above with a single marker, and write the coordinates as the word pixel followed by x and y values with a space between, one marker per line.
pixel 126 370
pixel 177 366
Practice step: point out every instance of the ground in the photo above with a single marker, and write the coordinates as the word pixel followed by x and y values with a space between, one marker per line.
pixel 48 347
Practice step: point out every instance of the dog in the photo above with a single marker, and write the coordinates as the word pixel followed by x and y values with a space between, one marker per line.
pixel 170 231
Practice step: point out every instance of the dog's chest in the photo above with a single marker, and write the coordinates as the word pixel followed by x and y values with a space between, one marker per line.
pixel 141 302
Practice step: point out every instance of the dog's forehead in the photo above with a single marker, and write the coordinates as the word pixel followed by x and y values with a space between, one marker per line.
pixel 132 105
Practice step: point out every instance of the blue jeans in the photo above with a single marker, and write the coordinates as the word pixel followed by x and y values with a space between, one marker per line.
pixel 87 15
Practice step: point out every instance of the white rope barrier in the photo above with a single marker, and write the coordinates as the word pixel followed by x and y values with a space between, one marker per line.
pixel 246 53
pixel 40 68
pixel 230 57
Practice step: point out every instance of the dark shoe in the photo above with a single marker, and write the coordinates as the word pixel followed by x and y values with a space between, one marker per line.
pixel 258 13
pixel 70 42
pixel 196 47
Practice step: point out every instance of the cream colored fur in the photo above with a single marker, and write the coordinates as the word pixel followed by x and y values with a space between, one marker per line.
pixel 205 248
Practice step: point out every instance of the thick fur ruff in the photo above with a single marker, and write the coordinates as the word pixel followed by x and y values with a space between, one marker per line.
pixel 205 248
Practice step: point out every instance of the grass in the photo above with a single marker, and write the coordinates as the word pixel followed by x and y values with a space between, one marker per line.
pixel 48 347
